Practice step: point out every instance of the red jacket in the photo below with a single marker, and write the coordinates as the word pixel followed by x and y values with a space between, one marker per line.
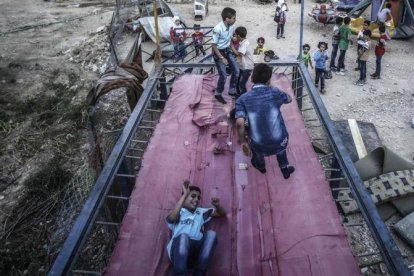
pixel 177 35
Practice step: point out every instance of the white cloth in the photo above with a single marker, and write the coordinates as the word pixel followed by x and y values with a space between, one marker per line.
pixel 382 15
pixel 282 4
pixel 246 61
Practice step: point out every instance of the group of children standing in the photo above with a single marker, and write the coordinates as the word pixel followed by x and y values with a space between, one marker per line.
pixel 340 41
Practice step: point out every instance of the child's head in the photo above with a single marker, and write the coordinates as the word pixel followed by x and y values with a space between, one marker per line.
pixel 339 20
pixel 196 27
pixel 366 24
pixel 306 48
pixel 322 46
pixel 381 29
pixel 177 20
pixel 241 33
pixel 192 201
pixel 261 73
pixel 260 41
pixel 347 20
pixel 367 34
pixel 388 6
pixel 228 15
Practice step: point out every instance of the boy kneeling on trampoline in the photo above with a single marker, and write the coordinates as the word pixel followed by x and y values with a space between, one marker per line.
pixel 189 246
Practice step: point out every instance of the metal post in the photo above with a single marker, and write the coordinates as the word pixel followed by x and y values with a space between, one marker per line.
pixel 157 56
pixel 302 7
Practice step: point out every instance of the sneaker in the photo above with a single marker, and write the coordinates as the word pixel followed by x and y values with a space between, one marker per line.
pixel 356 69
pixel 220 99
pixel 375 77
pixel 341 73
pixel 278 37
pixel 233 92
pixel 282 36
pixel 334 69
pixel 323 91
pixel 316 85
pixel 262 170
pixel 287 171
pixel 359 83
pixel 373 74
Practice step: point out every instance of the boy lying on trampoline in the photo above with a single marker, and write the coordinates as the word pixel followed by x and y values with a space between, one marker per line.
pixel 189 246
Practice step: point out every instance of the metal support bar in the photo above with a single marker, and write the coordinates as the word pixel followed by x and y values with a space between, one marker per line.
pixel 303 96
pixel 133 157
pixel 314 126
pixel 153 110
pixel 312 120
pixel 140 141
pixel 137 149
pixel 307 109
pixel 332 170
pixel 117 197
pixel 158 100
pixel 368 254
pixel 149 122
pixel 145 127
pixel 343 200
pixel 336 179
pixel 326 155
pixel 340 189
pixel 89 272
pixel 353 224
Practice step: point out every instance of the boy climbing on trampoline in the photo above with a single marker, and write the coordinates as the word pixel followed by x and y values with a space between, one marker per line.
pixel 267 134
pixel 189 246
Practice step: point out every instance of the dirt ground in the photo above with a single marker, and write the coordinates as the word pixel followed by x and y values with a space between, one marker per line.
pixel 51 54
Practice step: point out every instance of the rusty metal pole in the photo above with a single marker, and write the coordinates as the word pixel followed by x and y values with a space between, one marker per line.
pixel 157 54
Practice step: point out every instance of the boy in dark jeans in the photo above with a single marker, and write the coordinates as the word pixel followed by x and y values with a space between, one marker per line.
pixel 244 57
pixel 198 38
pixel 186 221
pixel 363 55
pixel 335 42
pixel 267 131
pixel 222 53
pixel 344 40
pixel 379 52
pixel 320 57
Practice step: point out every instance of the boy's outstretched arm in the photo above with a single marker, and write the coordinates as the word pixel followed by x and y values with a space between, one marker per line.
pixel 219 209
pixel 174 215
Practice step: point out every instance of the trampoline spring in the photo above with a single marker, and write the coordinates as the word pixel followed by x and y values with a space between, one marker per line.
pixel 275 70
pixel 149 122
pixel 158 100
pixel 312 120
pixel 314 126
pixel 326 155
pixel 117 197
pixel 334 170
pixel 139 141
pixel 89 272
pixel 305 95
pixel 137 149
pixel 133 157
pixel 371 264
pixel 153 110
pixel 339 189
pixel 318 139
pixel 336 179
pixel 343 200
pixel 300 87
pixel 145 127
pixel 125 175
pixel 107 223
pixel 307 109
pixel 353 224
pixel 367 254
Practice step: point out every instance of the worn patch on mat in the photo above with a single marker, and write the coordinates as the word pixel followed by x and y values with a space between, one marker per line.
pixel 405 229
pixel 382 189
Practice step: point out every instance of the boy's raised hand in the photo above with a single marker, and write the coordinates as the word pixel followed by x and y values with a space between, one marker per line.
pixel 215 201
pixel 186 187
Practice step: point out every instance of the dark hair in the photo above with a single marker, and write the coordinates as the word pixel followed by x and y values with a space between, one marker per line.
pixel 367 32
pixel 339 20
pixel 388 5
pixel 306 46
pixel 261 39
pixel 241 31
pixel 324 43
pixel 367 22
pixel 381 29
pixel 261 73
pixel 194 188
pixel 228 13
pixel 347 20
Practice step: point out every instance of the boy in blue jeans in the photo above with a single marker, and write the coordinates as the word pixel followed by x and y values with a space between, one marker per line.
pixel 267 133
pixel 222 53
pixel 244 58
pixel 189 245
pixel 320 57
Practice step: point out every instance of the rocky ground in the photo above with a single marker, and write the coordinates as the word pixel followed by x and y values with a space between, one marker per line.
pixel 53 52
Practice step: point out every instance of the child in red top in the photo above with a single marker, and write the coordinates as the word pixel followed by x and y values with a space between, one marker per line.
pixel 235 42
pixel 178 36
pixel 198 38
pixel 379 51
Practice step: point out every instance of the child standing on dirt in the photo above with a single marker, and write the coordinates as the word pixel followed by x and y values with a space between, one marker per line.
pixel 178 36
pixel 280 19
pixel 244 57
pixel 198 38
pixel 360 36
pixel 344 40
pixel 222 53
pixel 335 42
pixel 379 52
pixel 260 48
pixel 306 57
pixel 363 55
pixel 189 244
pixel 320 56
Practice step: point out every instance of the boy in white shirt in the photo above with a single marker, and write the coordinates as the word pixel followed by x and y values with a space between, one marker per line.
pixel 244 58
